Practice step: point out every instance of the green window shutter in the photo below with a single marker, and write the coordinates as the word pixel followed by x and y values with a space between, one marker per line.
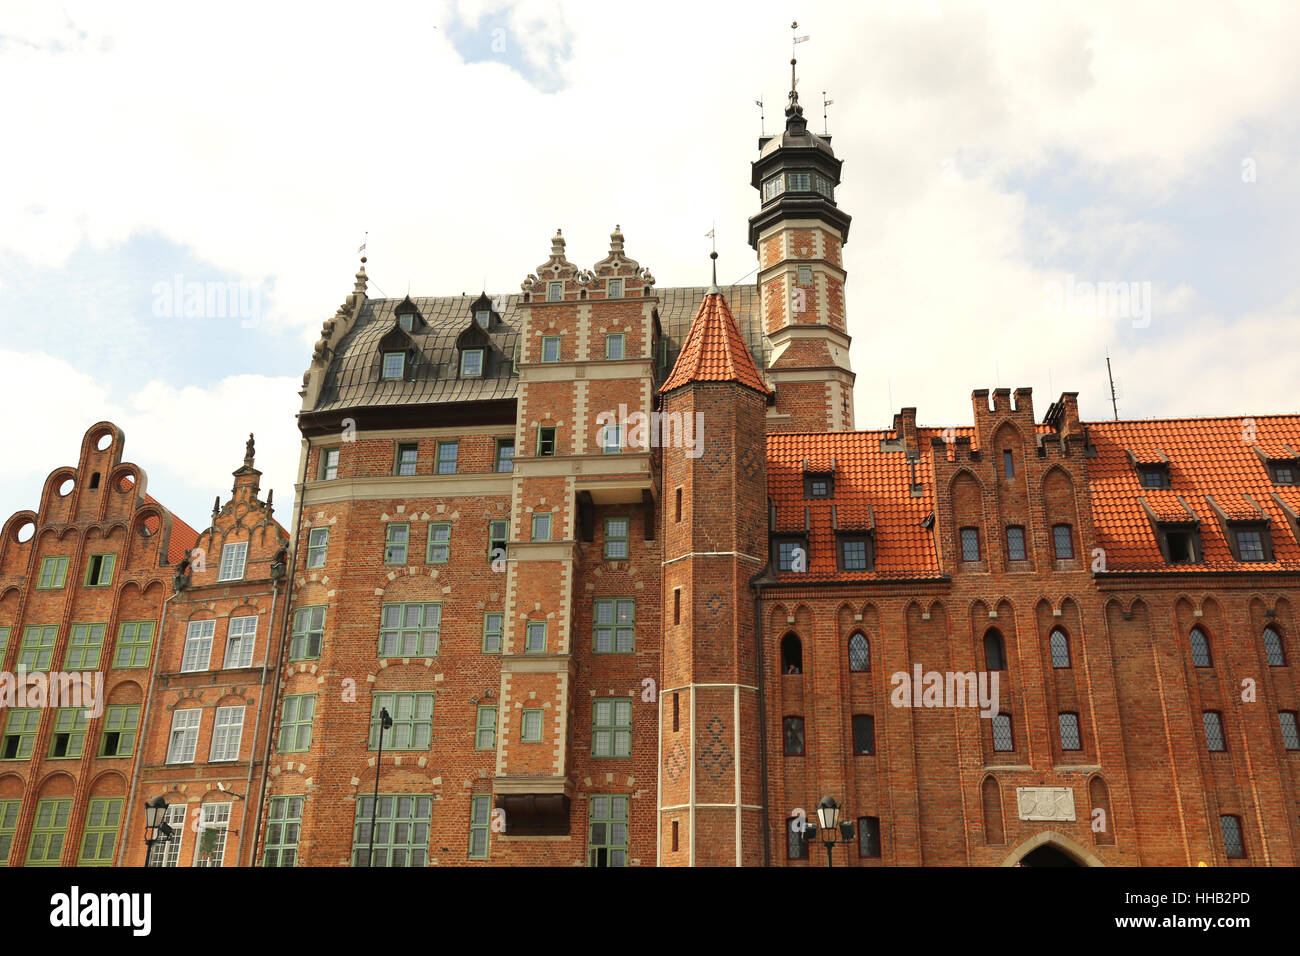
pixel 607 830
pixel 283 825
pixel 134 642
pixel 296 723
pixel 616 538
pixel 485 728
pixel 117 737
pixel 99 835
pixel 49 830
pixel 20 733
pixel 4 644
pixel 614 626
pixel 308 633
pixel 480 826
pixel 412 716
pixel 409 630
pixel 69 737
pixel 318 540
pixel 8 824
pixel 401 832
pixel 439 548
pixel 492 627
pixel 38 647
pixel 611 733
pixel 397 541
pixel 84 647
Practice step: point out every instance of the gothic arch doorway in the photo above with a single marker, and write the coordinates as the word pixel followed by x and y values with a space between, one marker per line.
pixel 1050 849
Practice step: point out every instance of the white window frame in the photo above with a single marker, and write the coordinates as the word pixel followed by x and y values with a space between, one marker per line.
pixel 385 371
pixel 317 548
pixel 170 851
pixel 230 554
pixel 227 734
pixel 214 816
pixel 464 356
pixel 330 466
pixel 185 723
pixel 198 642
pixel 241 636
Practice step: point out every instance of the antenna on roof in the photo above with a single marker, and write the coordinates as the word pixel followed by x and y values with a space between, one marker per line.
pixel 1113 407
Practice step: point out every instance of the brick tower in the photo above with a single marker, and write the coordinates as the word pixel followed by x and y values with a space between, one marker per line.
pixel 714 542
pixel 799 234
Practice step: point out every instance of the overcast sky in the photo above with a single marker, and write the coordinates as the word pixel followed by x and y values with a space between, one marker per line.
pixel 998 160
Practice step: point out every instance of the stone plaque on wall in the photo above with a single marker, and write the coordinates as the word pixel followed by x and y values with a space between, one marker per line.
pixel 1045 803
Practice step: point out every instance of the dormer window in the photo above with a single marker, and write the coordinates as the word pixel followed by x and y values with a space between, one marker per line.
pixel 791 553
pixel 471 363
pixel 615 289
pixel 394 365
pixel 406 321
pixel 408 316
pixel 1283 471
pixel 1154 476
pixel 1180 543
pixel 856 552
pixel 483 317
pixel 818 484
pixel 554 291
pixel 1250 541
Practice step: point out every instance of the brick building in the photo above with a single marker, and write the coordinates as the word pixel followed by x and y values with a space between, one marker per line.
pixel 632 590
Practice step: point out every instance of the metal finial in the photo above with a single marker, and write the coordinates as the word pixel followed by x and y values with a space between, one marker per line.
pixel 713 289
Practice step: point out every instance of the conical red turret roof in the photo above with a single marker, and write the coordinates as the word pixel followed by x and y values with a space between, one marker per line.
pixel 714 351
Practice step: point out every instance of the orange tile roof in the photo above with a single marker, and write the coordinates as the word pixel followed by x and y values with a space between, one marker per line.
pixel 1210 459
pixel 183 536
pixel 871 487
pixel 714 351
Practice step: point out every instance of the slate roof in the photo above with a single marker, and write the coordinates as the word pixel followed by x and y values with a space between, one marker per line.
pixel 353 380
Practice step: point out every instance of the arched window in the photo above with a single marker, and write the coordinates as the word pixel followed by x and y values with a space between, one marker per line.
pixel 859 653
pixel 1200 648
pixel 1003 736
pixel 1068 724
pixel 1060 646
pixel 995 652
pixel 1273 647
pixel 791 655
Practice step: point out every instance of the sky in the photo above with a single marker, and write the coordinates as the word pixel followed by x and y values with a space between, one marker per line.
pixel 1002 162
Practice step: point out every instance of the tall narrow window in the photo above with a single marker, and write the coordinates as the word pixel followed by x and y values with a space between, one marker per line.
pixel 198 646
pixel 117 737
pixel 611 728
pixel 1273 650
pixel 1060 647
pixel 99 835
pixel 447 452
pixel 329 464
pixel 615 626
pixel 995 654
pixel 492 626
pixel 554 291
pixel 1016 543
pixel 233 557
pixel 99 571
pixel 168 852
pixel 611 439
pixel 1008 463
pixel 49 830
pixel 184 735
pixel 614 345
pixel 1290 729
pixel 1233 846
pixel 1063 541
pixel 970 544
pixel 535 637
pixel 607 832
pixel 407 457
pixel 1068 724
pixel 296 722
pixel 283 823
pixel 859 653
pixel 530 726
pixel 546 441
pixel 227 732
pixel 677 511
pixel 550 348
pixel 505 459
pixel 1200 648
pixel 542 526
pixel 616 538
pixel 796 837
pixel 480 820
pixel 864 735
pixel 241 635
pixel 396 538
pixel 1213 722
pixel 308 633
pixel 214 822
pixel 485 728
pixel 471 363
pixel 318 540
pixel 615 289
pixel 805 275
pixel 792 731
pixel 498 533
pixel 1003 736
pixel 791 654
pixel 438 550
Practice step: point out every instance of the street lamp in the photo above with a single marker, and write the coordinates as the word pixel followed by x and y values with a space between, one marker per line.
pixel 156 828
pixel 385 721
pixel 830 828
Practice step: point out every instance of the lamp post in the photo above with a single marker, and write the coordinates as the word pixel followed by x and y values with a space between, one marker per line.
pixel 830 828
pixel 385 721
pixel 156 828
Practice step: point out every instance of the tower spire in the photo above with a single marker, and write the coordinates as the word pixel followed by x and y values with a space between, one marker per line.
pixel 793 109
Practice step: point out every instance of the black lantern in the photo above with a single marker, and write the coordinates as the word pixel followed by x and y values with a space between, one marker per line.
pixel 156 828
pixel 830 828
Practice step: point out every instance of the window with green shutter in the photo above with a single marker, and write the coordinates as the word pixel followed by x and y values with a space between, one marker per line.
pixel 296 722
pixel 308 633
pixel 20 733
pixel 318 542
pixel 283 823
pixel 117 738
pixel 409 630
pixel 99 570
pixel 401 830
pixel 69 737
pixel 480 826
pixel 616 537
pixel 607 830
pixel 535 638
pixel 38 647
pixel 439 548
pixel 48 832
pixel 396 539
pixel 134 640
pixel 54 572
pixel 4 644
pixel 8 824
pixel 412 716
pixel 492 626
pixel 84 647
pixel 100 833
pixel 615 626
pixel 531 725
pixel 611 733
pixel 485 728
